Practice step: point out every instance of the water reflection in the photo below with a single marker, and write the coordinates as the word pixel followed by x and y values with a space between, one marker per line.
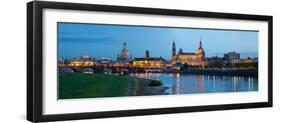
pixel 184 83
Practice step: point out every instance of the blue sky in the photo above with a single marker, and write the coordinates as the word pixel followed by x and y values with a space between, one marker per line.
pixel 99 41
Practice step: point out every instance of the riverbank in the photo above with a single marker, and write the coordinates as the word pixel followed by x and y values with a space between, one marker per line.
pixel 143 87
pixel 81 85
pixel 222 72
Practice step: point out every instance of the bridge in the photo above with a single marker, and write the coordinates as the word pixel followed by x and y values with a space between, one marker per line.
pixel 100 69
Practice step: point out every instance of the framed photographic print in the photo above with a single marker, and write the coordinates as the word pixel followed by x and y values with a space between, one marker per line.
pixel 95 61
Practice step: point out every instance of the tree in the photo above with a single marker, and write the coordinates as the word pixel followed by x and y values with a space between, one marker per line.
pixel 216 64
pixel 184 66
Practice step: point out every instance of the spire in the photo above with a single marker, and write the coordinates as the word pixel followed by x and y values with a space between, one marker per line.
pixel 118 57
pixel 174 44
pixel 173 48
pixel 124 46
pixel 201 52
pixel 146 54
pixel 200 45
pixel 131 56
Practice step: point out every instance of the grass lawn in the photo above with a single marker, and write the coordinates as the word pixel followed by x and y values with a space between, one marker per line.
pixel 80 85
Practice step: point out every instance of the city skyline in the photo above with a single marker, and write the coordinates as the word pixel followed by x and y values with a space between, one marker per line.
pixel 99 41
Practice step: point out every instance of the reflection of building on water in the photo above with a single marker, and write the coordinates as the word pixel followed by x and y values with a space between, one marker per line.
pixel 189 58
pixel 176 85
pixel 200 84
pixel 179 86
pixel 235 83
pixel 187 84
pixel 250 84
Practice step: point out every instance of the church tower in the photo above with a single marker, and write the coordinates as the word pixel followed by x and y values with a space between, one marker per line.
pixel 174 49
pixel 201 52
pixel 146 54
pixel 174 53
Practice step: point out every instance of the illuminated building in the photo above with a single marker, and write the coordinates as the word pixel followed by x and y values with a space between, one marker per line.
pixel 189 58
pixel 105 62
pixel 215 59
pixel 201 52
pixel 123 58
pixel 84 61
pixel 61 62
pixel 81 63
pixel 148 62
pixel 85 57
pixel 232 57
pixel 249 60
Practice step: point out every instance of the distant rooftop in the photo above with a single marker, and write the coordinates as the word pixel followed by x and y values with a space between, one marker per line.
pixel 186 53
pixel 150 58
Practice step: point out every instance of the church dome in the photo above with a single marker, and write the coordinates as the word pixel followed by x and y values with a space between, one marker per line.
pixel 124 52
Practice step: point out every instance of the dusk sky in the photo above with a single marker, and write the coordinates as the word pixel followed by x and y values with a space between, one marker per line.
pixel 75 40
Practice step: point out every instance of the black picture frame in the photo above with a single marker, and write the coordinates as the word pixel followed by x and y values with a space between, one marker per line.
pixel 35 69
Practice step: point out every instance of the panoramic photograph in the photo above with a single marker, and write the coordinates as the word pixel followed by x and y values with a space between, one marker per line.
pixel 102 60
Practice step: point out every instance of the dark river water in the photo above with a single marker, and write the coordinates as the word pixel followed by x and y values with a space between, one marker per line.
pixel 185 84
